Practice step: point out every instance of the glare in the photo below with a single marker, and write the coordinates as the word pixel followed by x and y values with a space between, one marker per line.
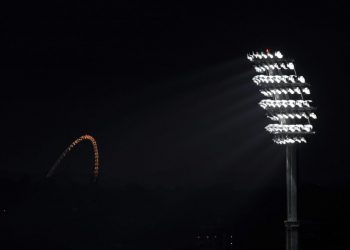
pixel 283 66
pixel 273 78
pixel 304 115
pixel 306 91
pixel 291 79
pixel 290 112
pixel 256 80
pixel 278 54
pixel 284 79
pixel 308 127
pixel 287 115
pixel 290 65
pixel 291 91
pixel 297 90
pixel 278 79
pixel 313 116
pixel 267 103
pixel 299 103
pixel 288 128
pixel 284 103
pixel 257 69
pixel 289 140
pixel 301 79
pixel 265 93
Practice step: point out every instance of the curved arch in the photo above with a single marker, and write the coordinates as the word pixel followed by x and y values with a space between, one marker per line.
pixel 70 147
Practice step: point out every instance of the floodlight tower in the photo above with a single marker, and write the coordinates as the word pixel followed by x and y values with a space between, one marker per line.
pixel 286 104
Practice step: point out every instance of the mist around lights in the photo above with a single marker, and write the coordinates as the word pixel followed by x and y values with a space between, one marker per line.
pixel 285 90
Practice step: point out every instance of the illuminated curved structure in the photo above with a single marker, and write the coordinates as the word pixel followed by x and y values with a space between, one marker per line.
pixel 70 147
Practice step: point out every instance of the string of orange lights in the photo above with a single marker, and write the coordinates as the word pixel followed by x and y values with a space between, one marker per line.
pixel 70 147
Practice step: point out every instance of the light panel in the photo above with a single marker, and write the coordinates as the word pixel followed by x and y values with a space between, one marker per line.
pixel 272 92
pixel 264 67
pixel 294 128
pixel 256 56
pixel 279 79
pixel 275 104
pixel 289 140
pixel 284 97
pixel 299 116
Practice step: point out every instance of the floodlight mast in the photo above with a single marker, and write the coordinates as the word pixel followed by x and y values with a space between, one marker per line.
pixel 278 80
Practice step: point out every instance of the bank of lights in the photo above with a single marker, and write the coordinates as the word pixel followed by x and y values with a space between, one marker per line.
pixel 300 115
pixel 273 92
pixel 285 104
pixel 295 128
pixel 286 97
pixel 263 67
pixel 260 56
pixel 289 140
pixel 279 79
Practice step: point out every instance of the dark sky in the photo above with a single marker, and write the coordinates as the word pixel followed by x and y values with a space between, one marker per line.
pixel 166 90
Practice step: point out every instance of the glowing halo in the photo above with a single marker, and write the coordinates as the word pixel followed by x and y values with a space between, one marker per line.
pixel 70 147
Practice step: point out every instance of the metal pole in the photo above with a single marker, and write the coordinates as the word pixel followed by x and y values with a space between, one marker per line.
pixel 291 223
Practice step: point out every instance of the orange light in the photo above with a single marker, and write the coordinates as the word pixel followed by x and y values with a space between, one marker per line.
pixel 71 146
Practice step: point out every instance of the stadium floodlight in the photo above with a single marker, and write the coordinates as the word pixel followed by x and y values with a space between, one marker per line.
pixel 306 91
pixel 284 102
pixel 313 116
pixel 301 79
pixel 278 54
pixel 290 65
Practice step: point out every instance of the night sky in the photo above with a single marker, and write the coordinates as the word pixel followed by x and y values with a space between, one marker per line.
pixel 165 89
